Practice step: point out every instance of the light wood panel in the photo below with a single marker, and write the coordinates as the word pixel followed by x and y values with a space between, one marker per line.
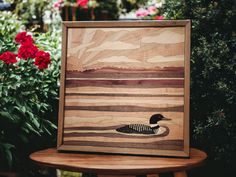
pixel 118 76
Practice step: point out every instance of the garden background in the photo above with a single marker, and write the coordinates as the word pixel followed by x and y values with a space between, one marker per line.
pixel 29 94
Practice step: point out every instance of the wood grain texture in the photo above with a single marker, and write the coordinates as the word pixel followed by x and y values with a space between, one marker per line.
pixel 123 75
pixel 116 164
pixel 187 87
pixel 62 88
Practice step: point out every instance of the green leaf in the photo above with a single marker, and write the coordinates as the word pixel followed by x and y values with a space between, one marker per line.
pixel 6 115
pixel 6 149
pixel 27 125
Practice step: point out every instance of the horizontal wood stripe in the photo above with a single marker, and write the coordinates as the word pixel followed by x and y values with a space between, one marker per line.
pixel 126 108
pixel 154 102
pixel 87 114
pixel 125 75
pixel 122 95
pixel 164 144
pixel 114 90
pixel 123 98
pixel 92 128
pixel 110 139
pixel 146 104
pixel 127 83
pixel 106 116
pixel 162 135
pixel 123 79
pixel 110 70
pixel 111 135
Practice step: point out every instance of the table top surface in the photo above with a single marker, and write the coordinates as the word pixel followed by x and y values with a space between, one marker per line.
pixel 116 164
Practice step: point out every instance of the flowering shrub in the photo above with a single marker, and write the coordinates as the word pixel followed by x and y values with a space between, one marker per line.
pixel 29 84
pixel 81 10
pixel 27 51
pixel 80 3
pixel 8 57
pixel 150 13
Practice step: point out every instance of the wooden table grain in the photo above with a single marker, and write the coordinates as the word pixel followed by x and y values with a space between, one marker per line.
pixel 118 165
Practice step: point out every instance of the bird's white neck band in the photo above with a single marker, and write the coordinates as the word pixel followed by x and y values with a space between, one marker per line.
pixel 153 125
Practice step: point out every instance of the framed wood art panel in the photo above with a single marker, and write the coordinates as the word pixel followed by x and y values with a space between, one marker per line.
pixel 125 87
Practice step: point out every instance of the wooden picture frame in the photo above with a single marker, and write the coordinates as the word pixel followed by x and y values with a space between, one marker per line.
pixel 118 76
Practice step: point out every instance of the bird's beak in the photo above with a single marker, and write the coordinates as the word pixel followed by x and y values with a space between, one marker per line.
pixel 165 118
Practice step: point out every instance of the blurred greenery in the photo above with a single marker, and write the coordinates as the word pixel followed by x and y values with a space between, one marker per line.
pixel 31 12
pixel 109 7
pixel 213 80
pixel 129 5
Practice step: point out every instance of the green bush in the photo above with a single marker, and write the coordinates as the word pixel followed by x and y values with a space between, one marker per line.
pixel 129 5
pixel 107 8
pixel 213 78
pixel 31 12
pixel 28 97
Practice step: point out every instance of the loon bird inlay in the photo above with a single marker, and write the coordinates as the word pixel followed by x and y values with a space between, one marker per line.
pixel 142 128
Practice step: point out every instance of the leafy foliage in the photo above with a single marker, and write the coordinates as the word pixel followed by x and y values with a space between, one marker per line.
pixel 28 97
pixel 31 12
pixel 110 7
pixel 213 76
pixel 129 5
pixel 9 26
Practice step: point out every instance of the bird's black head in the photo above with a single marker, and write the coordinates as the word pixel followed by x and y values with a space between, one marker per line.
pixel 156 118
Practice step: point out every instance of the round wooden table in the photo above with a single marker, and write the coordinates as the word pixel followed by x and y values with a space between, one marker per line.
pixel 118 165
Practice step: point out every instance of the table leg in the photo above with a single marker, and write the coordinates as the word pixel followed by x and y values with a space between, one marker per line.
pixel 116 175
pixel 180 174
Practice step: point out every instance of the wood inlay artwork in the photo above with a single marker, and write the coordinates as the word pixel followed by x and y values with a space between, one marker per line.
pixel 125 87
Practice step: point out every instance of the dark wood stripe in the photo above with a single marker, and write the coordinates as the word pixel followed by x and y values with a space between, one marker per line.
pixel 128 71
pixel 164 144
pixel 126 83
pixel 126 108
pixel 121 95
pixel 126 75
pixel 92 128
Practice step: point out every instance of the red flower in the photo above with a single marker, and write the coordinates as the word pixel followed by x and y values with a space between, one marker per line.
pixel 42 59
pixel 82 3
pixel 8 57
pixel 27 50
pixel 159 17
pixel 22 38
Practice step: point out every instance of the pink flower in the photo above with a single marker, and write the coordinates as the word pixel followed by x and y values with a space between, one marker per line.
pixel 159 17
pixel 82 3
pixel 152 10
pixel 57 4
pixel 142 13
pixel 8 57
